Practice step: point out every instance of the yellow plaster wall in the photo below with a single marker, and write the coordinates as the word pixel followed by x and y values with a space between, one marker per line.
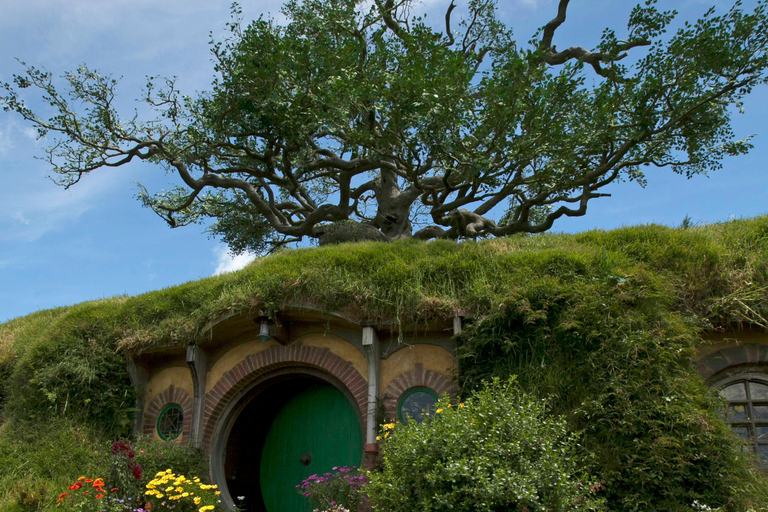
pixel 339 347
pixel 232 358
pixel 403 360
pixel 719 341
pixel 179 376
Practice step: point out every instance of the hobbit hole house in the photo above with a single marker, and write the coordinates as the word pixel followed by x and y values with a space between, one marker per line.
pixel 274 402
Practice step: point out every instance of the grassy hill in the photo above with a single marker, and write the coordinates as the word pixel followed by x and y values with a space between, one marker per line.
pixel 603 324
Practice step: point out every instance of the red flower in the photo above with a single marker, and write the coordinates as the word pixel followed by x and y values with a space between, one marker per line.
pixel 137 472
pixel 88 480
pixel 62 496
pixel 85 492
pixel 98 483
pixel 113 489
pixel 75 486
pixel 98 496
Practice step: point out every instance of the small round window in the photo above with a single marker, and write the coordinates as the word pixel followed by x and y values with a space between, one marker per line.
pixel 747 412
pixel 170 423
pixel 416 404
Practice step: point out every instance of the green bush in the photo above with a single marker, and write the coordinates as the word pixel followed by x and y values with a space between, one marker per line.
pixel 498 451
pixel 620 369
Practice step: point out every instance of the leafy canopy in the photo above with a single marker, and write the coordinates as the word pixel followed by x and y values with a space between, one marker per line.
pixel 361 121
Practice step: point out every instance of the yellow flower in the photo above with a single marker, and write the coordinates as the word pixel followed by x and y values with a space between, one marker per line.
pixel 389 426
pixel 461 404
pixel 179 489
pixel 206 508
pixel 378 438
pixel 184 495
pixel 386 434
pixel 159 495
pixel 169 489
pixel 439 411
pixel 197 500
pixel 217 493
pixel 168 471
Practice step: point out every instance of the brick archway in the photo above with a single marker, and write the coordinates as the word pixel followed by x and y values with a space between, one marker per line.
pixel 416 378
pixel 172 395
pixel 249 370
pixel 731 358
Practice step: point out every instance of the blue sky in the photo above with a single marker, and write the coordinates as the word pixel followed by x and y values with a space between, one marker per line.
pixel 59 247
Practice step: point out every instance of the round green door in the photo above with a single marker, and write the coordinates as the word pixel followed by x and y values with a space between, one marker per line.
pixel 314 431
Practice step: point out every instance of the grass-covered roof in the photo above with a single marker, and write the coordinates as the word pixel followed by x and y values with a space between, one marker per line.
pixel 718 274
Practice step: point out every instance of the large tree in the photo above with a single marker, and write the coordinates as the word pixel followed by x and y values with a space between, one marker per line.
pixel 354 122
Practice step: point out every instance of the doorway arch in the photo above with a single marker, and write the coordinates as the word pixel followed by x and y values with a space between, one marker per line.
pixel 239 418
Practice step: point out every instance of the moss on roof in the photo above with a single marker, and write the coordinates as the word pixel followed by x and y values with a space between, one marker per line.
pixel 717 274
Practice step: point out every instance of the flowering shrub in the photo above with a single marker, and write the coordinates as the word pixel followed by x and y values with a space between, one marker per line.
pixel 127 473
pixel 338 491
pixel 168 491
pixel 155 456
pixel 499 450
pixel 92 494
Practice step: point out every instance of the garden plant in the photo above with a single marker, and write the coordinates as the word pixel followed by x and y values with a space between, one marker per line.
pixel 498 450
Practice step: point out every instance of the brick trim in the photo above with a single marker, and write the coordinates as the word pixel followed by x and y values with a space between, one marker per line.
pixel 172 395
pixel 727 358
pixel 250 369
pixel 416 378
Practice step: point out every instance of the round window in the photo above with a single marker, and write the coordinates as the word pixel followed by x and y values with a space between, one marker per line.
pixel 170 423
pixel 416 404
pixel 747 412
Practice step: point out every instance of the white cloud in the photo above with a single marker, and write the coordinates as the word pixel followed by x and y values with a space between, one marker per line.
pixel 34 206
pixel 14 134
pixel 6 144
pixel 19 216
pixel 226 262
